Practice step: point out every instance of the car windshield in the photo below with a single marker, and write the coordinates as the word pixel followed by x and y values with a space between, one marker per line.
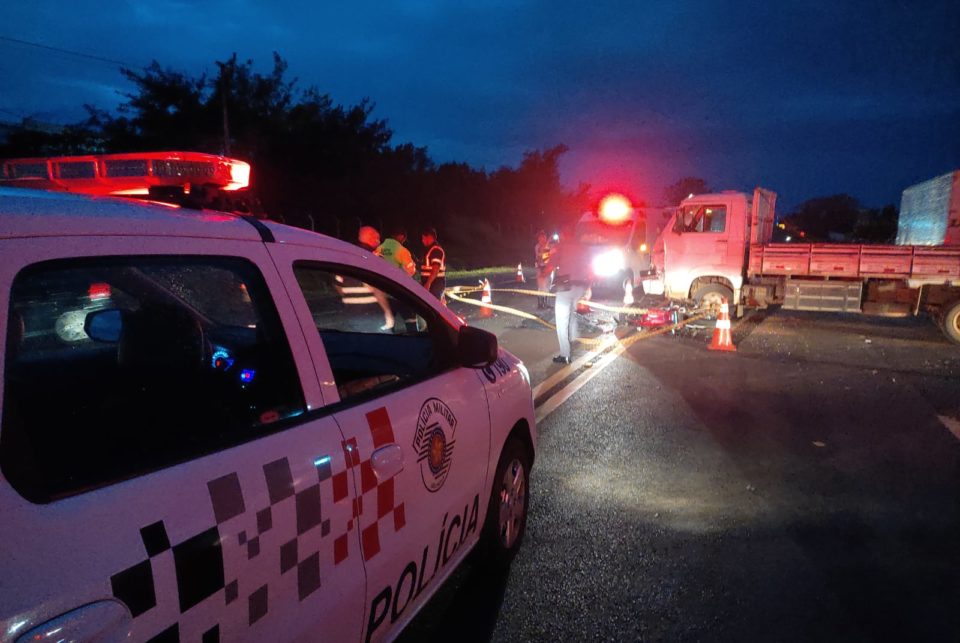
pixel 598 233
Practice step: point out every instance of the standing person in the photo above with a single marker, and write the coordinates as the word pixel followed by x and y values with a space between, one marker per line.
pixel 571 283
pixel 396 253
pixel 354 292
pixel 542 252
pixel 433 271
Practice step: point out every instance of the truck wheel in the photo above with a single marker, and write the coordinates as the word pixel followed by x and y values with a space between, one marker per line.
pixel 950 321
pixel 711 296
pixel 506 519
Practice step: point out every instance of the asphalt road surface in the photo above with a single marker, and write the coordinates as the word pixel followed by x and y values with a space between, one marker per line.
pixel 805 487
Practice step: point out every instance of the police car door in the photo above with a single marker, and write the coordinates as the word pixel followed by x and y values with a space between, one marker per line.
pixel 161 470
pixel 416 429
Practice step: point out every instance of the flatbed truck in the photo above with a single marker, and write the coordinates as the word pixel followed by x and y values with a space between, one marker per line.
pixel 719 248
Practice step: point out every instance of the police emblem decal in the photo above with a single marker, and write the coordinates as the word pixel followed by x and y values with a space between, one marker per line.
pixel 434 442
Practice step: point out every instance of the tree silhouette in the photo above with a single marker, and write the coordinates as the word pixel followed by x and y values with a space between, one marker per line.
pixel 826 218
pixel 677 192
pixel 317 164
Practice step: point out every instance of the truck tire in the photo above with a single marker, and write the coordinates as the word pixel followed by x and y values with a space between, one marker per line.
pixel 506 519
pixel 710 296
pixel 950 321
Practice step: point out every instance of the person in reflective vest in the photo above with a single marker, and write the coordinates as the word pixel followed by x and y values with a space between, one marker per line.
pixel 396 253
pixel 433 271
pixel 354 292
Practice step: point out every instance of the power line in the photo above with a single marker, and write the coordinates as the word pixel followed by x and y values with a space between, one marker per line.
pixel 78 54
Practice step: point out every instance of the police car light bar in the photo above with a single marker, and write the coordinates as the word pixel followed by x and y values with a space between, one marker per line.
pixel 125 174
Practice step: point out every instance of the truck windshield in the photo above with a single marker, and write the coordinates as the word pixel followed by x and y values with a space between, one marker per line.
pixel 598 233
pixel 701 218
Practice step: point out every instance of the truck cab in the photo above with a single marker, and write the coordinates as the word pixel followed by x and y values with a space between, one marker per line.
pixel 701 255
pixel 616 233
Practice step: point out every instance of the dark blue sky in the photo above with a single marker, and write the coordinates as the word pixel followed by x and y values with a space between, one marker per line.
pixel 807 98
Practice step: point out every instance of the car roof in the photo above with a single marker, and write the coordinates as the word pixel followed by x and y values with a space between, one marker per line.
pixel 40 213
pixel 298 236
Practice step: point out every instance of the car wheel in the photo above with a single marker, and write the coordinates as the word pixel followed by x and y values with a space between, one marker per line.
pixel 506 519
pixel 950 322
pixel 711 296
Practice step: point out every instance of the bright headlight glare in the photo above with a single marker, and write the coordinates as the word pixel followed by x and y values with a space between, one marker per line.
pixel 608 263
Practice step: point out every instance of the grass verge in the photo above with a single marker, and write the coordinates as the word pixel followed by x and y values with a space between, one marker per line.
pixel 481 272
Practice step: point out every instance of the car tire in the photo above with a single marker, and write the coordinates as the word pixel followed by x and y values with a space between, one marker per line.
pixel 950 321
pixel 711 296
pixel 506 520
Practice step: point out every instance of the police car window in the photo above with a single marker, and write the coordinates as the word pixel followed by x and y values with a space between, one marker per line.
pixel 119 366
pixel 376 335
pixel 216 293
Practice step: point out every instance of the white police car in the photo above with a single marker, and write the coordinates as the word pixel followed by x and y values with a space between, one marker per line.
pixel 200 442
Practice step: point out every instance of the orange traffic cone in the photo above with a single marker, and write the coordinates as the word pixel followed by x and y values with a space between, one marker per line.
pixel 520 278
pixel 486 298
pixel 722 341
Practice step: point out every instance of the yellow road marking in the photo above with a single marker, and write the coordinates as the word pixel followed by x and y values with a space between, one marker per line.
pixel 607 357
pixel 574 366
pixel 554 401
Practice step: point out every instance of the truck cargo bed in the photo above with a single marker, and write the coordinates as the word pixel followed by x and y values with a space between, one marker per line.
pixel 855 261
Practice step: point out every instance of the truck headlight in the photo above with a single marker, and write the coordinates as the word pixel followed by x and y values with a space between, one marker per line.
pixel 609 263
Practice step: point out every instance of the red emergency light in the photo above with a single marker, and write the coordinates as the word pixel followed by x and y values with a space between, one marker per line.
pixel 98 291
pixel 614 208
pixel 131 174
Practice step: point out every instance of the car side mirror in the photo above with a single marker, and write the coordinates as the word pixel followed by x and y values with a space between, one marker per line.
pixel 104 325
pixel 476 347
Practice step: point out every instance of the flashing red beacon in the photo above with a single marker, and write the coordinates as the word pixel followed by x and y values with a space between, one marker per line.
pixel 614 208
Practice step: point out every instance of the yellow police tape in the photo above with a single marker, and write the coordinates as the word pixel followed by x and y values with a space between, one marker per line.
pixel 628 310
pixel 504 309
pixel 456 292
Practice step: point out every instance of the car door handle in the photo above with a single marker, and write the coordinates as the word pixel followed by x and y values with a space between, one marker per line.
pixel 387 461
pixel 103 622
